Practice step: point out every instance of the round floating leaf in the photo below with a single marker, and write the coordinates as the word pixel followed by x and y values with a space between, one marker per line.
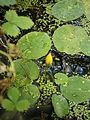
pixel 26 69
pixel 31 93
pixel 67 10
pixel 77 89
pixel 22 105
pixel 68 38
pixel 25 24
pixel 34 45
pixel 86 4
pixel 61 78
pixel 13 94
pixel 11 29
pixel 8 105
pixel 7 2
pixel 60 105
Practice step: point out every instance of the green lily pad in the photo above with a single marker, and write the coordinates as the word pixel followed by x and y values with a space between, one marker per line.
pixel 34 45
pixel 77 89
pixel 67 10
pixel 60 105
pixel 61 78
pixel 26 69
pixel 68 38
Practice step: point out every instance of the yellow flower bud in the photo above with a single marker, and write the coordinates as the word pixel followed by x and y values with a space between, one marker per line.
pixel 49 59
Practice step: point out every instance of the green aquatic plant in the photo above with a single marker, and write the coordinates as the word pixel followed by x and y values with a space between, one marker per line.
pixel 67 10
pixel 28 90
pixel 30 87
pixel 24 4
pixel 60 105
pixel 61 78
pixel 26 69
pixel 71 39
pixel 15 22
pixel 34 45
pixel 81 111
pixel 47 88
pixel 13 101
pixel 77 89
pixel 73 89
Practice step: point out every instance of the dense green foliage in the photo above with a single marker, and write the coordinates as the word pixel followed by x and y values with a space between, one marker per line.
pixel 60 104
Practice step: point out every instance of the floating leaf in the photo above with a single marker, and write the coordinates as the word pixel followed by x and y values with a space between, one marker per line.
pixel 61 78
pixel 22 105
pixel 24 22
pixel 77 89
pixel 86 4
pixel 26 69
pixel 32 93
pixel 67 10
pixel 60 105
pixel 7 2
pixel 11 16
pixel 11 29
pixel 68 38
pixel 34 45
pixel 8 105
pixel 13 94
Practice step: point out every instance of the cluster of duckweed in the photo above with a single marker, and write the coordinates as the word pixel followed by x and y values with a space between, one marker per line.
pixel 87 76
pixel 26 3
pixel 81 111
pixel 46 23
pixel 47 88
